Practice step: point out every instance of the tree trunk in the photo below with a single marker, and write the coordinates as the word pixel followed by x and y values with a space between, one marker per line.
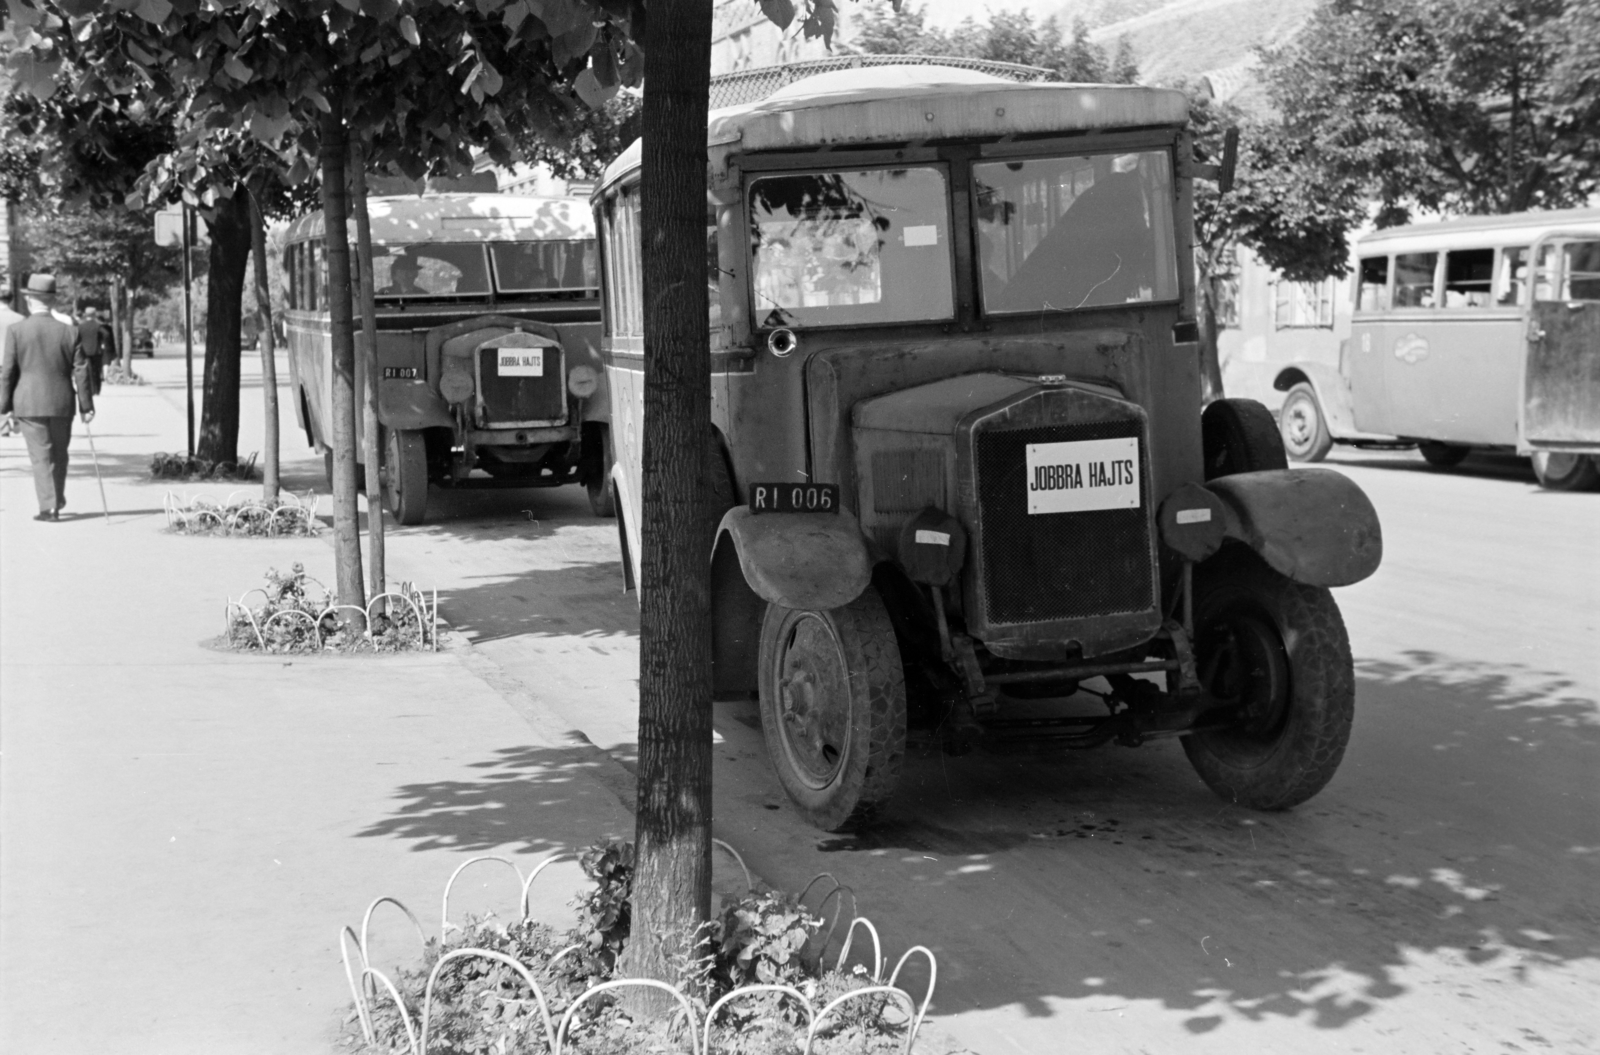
pixel 228 259
pixel 269 363
pixel 1210 357
pixel 117 318
pixel 672 882
pixel 336 247
pixel 372 434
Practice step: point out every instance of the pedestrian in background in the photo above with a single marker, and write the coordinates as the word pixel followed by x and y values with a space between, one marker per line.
pixel 43 364
pixel 93 334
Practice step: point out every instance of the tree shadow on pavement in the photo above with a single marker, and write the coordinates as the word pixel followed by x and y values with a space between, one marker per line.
pixel 588 598
pixel 1459 842
pixel 532 798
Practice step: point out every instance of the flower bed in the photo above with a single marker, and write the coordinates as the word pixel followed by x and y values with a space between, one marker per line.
pixel 238 514
pixel 764 980
pixel 297 613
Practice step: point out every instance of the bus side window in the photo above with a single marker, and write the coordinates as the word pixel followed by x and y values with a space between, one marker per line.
pixel 1372 293
pixel 1511 279
pixel 713 269
pixel 1581 270
pixel 288 274
pixel 1413 280
pixel 1468 274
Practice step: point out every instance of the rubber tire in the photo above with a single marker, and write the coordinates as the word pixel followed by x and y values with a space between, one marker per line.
pixel 1239 436
pixel 601 502
pixel 876 742
pixel 1442 455
pixel 1293 758
pixel 1300 408
pixel 1582 474
pixel 405 485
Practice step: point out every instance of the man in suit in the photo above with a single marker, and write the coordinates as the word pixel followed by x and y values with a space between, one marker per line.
pixel 94 333
pixel 44 361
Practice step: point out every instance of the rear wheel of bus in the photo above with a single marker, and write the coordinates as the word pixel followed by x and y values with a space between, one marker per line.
pixel 405 484
pixel 1558 471
pixel 1305 432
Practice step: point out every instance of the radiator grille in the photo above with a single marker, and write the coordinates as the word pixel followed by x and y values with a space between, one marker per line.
pixel 1057 565
pixel 522 400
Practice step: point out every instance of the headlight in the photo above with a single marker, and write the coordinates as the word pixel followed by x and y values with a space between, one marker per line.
pixel 582 381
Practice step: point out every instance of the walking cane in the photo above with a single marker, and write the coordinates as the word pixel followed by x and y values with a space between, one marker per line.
pixel 95 457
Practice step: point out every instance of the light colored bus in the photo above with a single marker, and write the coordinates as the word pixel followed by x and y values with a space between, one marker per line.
pixel 488 309
pixel 1478 333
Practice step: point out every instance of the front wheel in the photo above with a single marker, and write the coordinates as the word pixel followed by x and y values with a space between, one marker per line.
pixel 1277 652
pixel 1304 430
pixel 1442 455
pixel 1558 471
pixel 601 501
pixel 833 708
pixel 405 485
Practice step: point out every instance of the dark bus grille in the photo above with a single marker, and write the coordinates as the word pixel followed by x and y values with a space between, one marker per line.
pixel 1057 565
pixel 518 400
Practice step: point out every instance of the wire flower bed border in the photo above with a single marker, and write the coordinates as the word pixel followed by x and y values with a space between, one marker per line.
pixel 365 983
pixel 290 618
pixel 289 515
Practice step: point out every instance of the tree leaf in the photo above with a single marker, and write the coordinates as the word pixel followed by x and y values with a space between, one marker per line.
pixel 153 11
pixel 382 10
pixel 408 29
pixel 779 12
pixel 268 128
pixel 515 13
pixel 594 94
pixel 236 69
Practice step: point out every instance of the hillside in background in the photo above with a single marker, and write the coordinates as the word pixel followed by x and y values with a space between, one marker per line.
pixel 1186 39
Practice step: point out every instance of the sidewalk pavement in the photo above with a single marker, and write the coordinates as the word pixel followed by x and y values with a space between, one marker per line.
pixel 185 830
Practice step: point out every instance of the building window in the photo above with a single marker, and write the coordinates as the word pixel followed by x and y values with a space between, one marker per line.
pixel 1302 305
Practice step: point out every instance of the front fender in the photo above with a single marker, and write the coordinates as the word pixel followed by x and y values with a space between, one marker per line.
pixel 807 561
pixel 1313 525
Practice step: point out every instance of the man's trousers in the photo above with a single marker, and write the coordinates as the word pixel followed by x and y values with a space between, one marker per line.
pixel 47 447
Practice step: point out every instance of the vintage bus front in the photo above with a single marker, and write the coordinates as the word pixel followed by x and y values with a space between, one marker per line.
pixel 488 343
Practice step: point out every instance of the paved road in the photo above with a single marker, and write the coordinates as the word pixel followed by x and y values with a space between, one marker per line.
pixel 1443 894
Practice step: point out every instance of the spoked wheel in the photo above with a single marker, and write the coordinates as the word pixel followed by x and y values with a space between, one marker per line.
pixel 1559 471
pixel 405 484
pixel 1305 432
pixel 1277 652
pixel 833 708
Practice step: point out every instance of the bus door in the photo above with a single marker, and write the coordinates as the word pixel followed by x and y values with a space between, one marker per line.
pixel 1561 372
pixel 1369 344
pixel 1466 373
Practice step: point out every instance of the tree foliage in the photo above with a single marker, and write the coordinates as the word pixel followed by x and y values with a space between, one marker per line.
pixel 1007 36
pixel 91 247
pixel 1452 106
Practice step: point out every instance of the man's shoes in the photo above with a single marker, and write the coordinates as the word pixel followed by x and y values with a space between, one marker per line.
pixel 48 516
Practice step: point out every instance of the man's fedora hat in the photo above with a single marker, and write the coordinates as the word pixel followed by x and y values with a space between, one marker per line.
pixel 41 286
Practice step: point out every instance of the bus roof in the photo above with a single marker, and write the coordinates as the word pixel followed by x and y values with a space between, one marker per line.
pixel 412 219
pixel 895 104
pixel 1519 228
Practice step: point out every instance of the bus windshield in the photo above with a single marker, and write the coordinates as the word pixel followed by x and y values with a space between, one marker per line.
pixel 539 267
pixel 839 248
pixel 1061 233
pixel 455 270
